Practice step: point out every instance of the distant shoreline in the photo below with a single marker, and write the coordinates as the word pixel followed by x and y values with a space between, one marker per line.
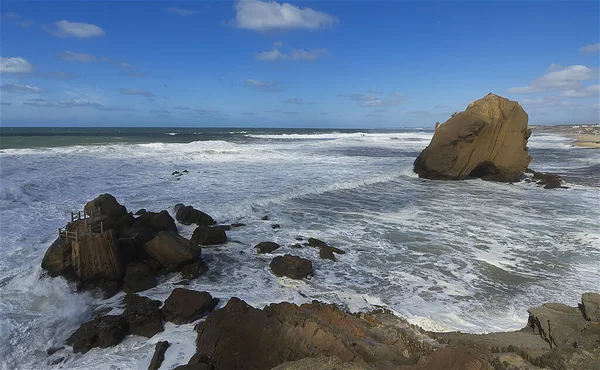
pixel 585 136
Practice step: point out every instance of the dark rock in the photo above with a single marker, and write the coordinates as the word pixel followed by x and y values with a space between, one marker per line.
pixel 275 226
pixel 320 363
pixel 238 224
pixel 192 270
pixel 138 277
pixel 265 218
pixel 547 180
pixel 187 215
pixel 172 250
pixel 206 235
pixel 159 355
pixel 102 332
pixel 313 242
pixel 182 282
pixel 124 222
pixel 299 238
pixel 105 205
pixel 142 315
pixel 57 260
pixel 297 246
pixel 193 367
pixel 326 253
pixel 266 247
pixel 291 266
pixel 140 211
pixel 488 140
pixel 184 306
pixel 161 221
pixel 223 227
pixel 52 350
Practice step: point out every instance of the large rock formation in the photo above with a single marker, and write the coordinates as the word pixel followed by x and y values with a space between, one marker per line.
pixel 487 140
pixel 172 250
pixel 96 258
pixel 184 306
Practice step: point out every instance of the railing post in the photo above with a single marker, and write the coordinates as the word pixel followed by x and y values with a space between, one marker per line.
pixel 101 227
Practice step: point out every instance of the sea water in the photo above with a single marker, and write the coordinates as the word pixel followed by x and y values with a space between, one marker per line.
pixel 447 255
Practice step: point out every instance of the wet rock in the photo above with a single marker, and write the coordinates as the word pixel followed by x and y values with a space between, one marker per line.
pixel 313 242
pixel 275 226
pixel 96 258
pixel 187 215
pixel 161 221
pixel 172 250
pixel 184 306
pixel 291 266
pixel 326 253
pixel 591 306
pixel 182 282
pixel 488 140
pixel 206 235
pixel 238 224
pixel 52 350
pixel 138 277
pixel 265 218
pixel 266 247
pixel 296 246
pixel 547 180
pixel 105 205
pixel 124 222
pixel 159 355
pixel 140 211
pixel 103 332
pixel 192 270
pixel 57 260
pixel 142 315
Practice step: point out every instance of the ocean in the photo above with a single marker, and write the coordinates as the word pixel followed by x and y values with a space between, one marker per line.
pixel 447 255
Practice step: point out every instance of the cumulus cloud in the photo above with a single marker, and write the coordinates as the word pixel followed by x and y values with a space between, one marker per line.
pixel 263 85
pixel 263 16
pixel 583 92
pixel 76 103
pixel 15 65
pixel 78 30
pixel 131 91
pixel 70 56
pixel 376 99
pixel 590 49
pixel 21 89
pixel 293 55
pixel 181 12
pixel 558 77
pixel 297 101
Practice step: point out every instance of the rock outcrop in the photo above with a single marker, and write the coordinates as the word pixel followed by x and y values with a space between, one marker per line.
pixel 159 355
pixel 184 306
pixel 291 266
pixel 488 140
pixel 138 277
pixel 96 258
pixel 187 215
pixel 103 332
pixel 172 250
pixel 208 235
pixel 57 260
pixel 143 315
pixel 266 247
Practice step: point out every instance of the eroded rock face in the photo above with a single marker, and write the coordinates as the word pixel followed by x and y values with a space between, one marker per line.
pixel 591 306
pixel 487 140
pixel 105 205
pixel 184 306
pixel 57 260
pixel 96 258
pixel 172 250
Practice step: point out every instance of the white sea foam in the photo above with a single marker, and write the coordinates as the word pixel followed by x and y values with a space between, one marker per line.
pixel 469 256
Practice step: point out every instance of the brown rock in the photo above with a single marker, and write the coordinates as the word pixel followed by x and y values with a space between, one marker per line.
pixel 291 266
pixel 138 277
pixel 487 140
pixel 558 324
pixel 159 355
pixel 207 235
pixel 187 215
pixel 172 250
pixel 57 260
pixel 194 269
pixel 591 306
pixel 321 363
pixel 103 332
pixel 266 247
pixel 142 315
pixel 184 306
pixel 105 205
pixel 456 358
pixel 96 258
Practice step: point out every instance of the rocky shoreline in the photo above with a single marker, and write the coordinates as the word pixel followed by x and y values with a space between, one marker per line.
pixel 585 136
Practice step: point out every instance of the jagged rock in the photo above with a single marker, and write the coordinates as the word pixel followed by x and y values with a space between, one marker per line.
pixel 591 306
pixel 291 266
pixel 265 218
pixel 487 140
pixel 57 260
pixel 266 247
pixel 238 224
pixel 172 250
pixel 187 215
pixel 275 226
pixel 326 253
pixel 105 205
pixel 321 363
pixel 96 258
pixel 314 242
pixel 558 324
pixel 206 235
pixel 161 221
pixel 239 336
pixel 456 358
pixel 547 180
pixel 159 355
pixel 184 306
pixel 124 222
pixel 192 270
pixel 142 315
pixel 103 332
pixel 138 277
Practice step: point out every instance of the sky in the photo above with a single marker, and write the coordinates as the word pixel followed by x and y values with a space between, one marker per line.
pixel 329 64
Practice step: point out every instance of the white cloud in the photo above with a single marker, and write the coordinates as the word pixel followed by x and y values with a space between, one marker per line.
pixel 263 16
pixel 590 49
pixel 376 99
pixel 15 65
pixel 70 56
pixel 558 78
pixel 583 92
pixel 293 55
pixel 297 101
pixel 181 12
pixel 262 85
pixel 65 28
pixel 21 89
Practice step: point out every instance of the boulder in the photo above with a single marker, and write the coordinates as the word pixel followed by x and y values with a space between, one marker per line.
pixel 161 221
pixel 124 222
pixel 326 253
pixel 314 242
pixel 143 315
pixel 558 324
pixel 187 215
pixel 291 266
pixel 184 306
pixel 546 179
pixel 266 247
pixel 96 258
pixel 57 260
pixel 591 306
pixel 207 235
pixel 321 363
pixel 102 332
pixel 487 140
pixel 192 270
pixel 172 250
pixel 138 277
pixel 105 205
pixel 159 355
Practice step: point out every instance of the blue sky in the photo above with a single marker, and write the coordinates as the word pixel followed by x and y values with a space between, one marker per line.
pixel 368 64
